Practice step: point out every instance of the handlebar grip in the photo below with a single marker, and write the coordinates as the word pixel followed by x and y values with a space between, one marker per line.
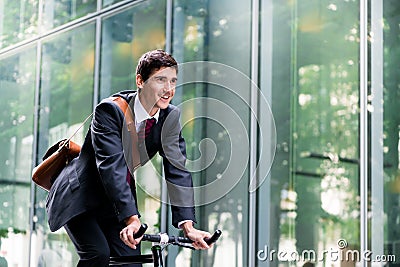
pixel 209 241
pixel 214 237
pixel 141 231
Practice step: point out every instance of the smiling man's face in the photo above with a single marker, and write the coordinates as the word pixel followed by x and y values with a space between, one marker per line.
pixel 158 91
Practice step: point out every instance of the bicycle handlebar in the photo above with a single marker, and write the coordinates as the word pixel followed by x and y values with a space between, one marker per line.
pixel 177 240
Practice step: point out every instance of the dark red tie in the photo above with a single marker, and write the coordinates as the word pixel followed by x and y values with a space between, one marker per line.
pixel 149 123
pixel 145 128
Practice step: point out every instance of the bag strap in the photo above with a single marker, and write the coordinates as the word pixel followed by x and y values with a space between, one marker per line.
pixel 66 142
pixel 130 124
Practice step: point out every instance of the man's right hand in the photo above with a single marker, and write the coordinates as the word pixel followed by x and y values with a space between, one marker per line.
pixel 132 226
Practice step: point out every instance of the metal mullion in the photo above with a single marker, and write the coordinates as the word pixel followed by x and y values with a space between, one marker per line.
pixel 168 26
pixel 96 83
pixel 253 132
pixel 99 5
pixel 377 173
pixel 363 128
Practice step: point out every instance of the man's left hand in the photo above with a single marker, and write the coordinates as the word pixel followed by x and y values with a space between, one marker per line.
pixel 196 235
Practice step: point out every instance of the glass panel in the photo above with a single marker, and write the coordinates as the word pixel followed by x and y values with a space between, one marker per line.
pixel 107 3
pixel 66 99
pixel 391 129
pixel 310 53
pixel 17 83
pixel 110 2
pixel 125 37
pixel 202 31
pixel 59 12
pixel 18 21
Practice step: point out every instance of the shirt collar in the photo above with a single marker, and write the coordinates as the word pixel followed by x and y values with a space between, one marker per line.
pixel 141 114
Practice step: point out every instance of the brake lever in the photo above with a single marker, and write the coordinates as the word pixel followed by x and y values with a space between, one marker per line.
pixel 181 244
pixel 184 245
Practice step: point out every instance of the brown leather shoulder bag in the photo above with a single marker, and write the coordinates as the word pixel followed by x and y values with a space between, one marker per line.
pixel 60 154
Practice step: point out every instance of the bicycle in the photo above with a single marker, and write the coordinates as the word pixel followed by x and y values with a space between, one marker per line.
pixel 160 241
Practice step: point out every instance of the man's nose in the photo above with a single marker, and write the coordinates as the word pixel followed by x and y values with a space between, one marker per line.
pixel 168 85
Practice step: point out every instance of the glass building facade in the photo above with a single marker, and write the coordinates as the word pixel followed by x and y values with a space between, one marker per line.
pixel 318 99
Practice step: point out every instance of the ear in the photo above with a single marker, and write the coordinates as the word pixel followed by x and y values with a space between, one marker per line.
pixel 139 81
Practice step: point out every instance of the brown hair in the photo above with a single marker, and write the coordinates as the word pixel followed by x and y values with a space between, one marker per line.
pixel 154 60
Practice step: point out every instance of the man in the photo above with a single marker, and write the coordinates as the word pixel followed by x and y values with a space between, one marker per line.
pixel 94 196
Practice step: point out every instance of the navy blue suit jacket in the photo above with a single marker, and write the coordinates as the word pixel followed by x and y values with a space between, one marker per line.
pixel 96 180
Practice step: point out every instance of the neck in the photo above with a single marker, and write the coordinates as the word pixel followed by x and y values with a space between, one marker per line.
pixel 150 108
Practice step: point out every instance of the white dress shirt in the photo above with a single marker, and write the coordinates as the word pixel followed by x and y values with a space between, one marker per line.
pixel 141 114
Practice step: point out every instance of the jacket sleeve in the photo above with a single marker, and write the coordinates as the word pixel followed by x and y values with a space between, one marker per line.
pixel 179 179
pixel 106 131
